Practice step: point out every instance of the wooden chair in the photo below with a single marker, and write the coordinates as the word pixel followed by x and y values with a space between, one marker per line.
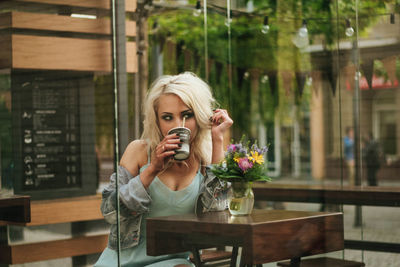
pixel 324 262
pixel 211 257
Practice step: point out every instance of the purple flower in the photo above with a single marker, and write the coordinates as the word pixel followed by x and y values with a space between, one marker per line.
pixel 260 151
pixel 245 164
pixel 231 148
pixel 240 149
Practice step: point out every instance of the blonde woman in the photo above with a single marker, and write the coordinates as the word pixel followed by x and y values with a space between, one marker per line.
pixel 152 183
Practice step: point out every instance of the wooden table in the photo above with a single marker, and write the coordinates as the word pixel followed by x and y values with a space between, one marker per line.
pixel 265 235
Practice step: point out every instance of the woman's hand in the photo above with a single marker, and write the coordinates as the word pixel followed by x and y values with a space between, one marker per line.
pixel 163 152
pixel 221 122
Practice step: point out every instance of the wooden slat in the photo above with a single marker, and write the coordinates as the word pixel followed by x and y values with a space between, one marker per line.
pixel 348 195
pixel 27 20
pixel 208 255
pixel 65 210
pixel 83 245
pixel 59 53
pixel 130 5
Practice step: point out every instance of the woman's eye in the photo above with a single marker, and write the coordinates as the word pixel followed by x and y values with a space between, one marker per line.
pixel 166 117
pixel 188 115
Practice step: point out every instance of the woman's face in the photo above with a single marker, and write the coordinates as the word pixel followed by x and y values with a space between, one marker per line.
pixel 170 114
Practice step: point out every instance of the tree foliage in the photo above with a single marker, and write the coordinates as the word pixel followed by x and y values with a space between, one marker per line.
pixel 269 53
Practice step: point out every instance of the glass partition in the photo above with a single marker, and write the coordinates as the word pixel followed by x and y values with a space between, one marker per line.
pixel 378 115
pixel 315 81
pixel 67 68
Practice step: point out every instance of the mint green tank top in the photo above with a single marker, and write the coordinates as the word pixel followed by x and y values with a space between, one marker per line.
pixel 164 202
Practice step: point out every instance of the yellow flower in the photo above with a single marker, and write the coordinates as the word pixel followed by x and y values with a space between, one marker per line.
pixel 236 158
pixel 256 158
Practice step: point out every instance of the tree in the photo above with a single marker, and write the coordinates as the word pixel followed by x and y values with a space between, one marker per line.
pixel 271 54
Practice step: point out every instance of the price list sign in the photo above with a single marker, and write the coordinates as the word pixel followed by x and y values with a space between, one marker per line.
pixel 50 140
pixel 47 117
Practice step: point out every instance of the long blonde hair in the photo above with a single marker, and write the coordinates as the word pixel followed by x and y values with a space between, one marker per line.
pixel 196 94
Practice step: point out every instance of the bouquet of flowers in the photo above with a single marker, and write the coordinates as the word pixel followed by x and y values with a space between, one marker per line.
pixel 242 163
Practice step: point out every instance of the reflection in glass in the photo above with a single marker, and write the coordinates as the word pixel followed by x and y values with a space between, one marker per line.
pixel 318 68
pixel 294 74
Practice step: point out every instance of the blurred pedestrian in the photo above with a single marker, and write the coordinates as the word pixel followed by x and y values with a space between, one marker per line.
pixel 348 142
pixel 371 156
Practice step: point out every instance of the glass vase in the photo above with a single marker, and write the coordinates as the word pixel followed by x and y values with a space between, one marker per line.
pixel 241 199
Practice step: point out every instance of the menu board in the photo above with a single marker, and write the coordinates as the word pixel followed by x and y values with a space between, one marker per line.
pixel 50 140
pixel 53 124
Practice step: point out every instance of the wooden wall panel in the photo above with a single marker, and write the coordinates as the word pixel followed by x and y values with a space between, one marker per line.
pixel 65 210
pixel 27 20
pixel 130 5
pixel 59 53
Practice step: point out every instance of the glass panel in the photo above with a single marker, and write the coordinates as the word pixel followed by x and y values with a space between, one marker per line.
pixel 378 103
pixel 296 75
pixel 57 114
pixel 54 104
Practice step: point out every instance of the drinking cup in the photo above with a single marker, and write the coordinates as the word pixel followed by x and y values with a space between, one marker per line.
pixel 182 152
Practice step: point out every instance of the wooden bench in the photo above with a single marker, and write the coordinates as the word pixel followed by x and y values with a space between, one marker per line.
pixel 46 212
pixel 324 262
pixel 330 194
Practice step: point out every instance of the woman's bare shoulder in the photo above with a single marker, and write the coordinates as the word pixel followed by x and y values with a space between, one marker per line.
pixel 135 156
pixel 137 144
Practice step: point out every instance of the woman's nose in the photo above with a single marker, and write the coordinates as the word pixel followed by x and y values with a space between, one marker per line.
pixel 178 122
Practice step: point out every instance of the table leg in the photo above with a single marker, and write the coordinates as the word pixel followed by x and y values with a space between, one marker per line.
pixel 196 256
pixel 242 264
pixel 295 262
pixel 234 256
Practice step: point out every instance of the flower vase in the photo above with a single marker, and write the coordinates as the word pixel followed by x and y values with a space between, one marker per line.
pixel 241 200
